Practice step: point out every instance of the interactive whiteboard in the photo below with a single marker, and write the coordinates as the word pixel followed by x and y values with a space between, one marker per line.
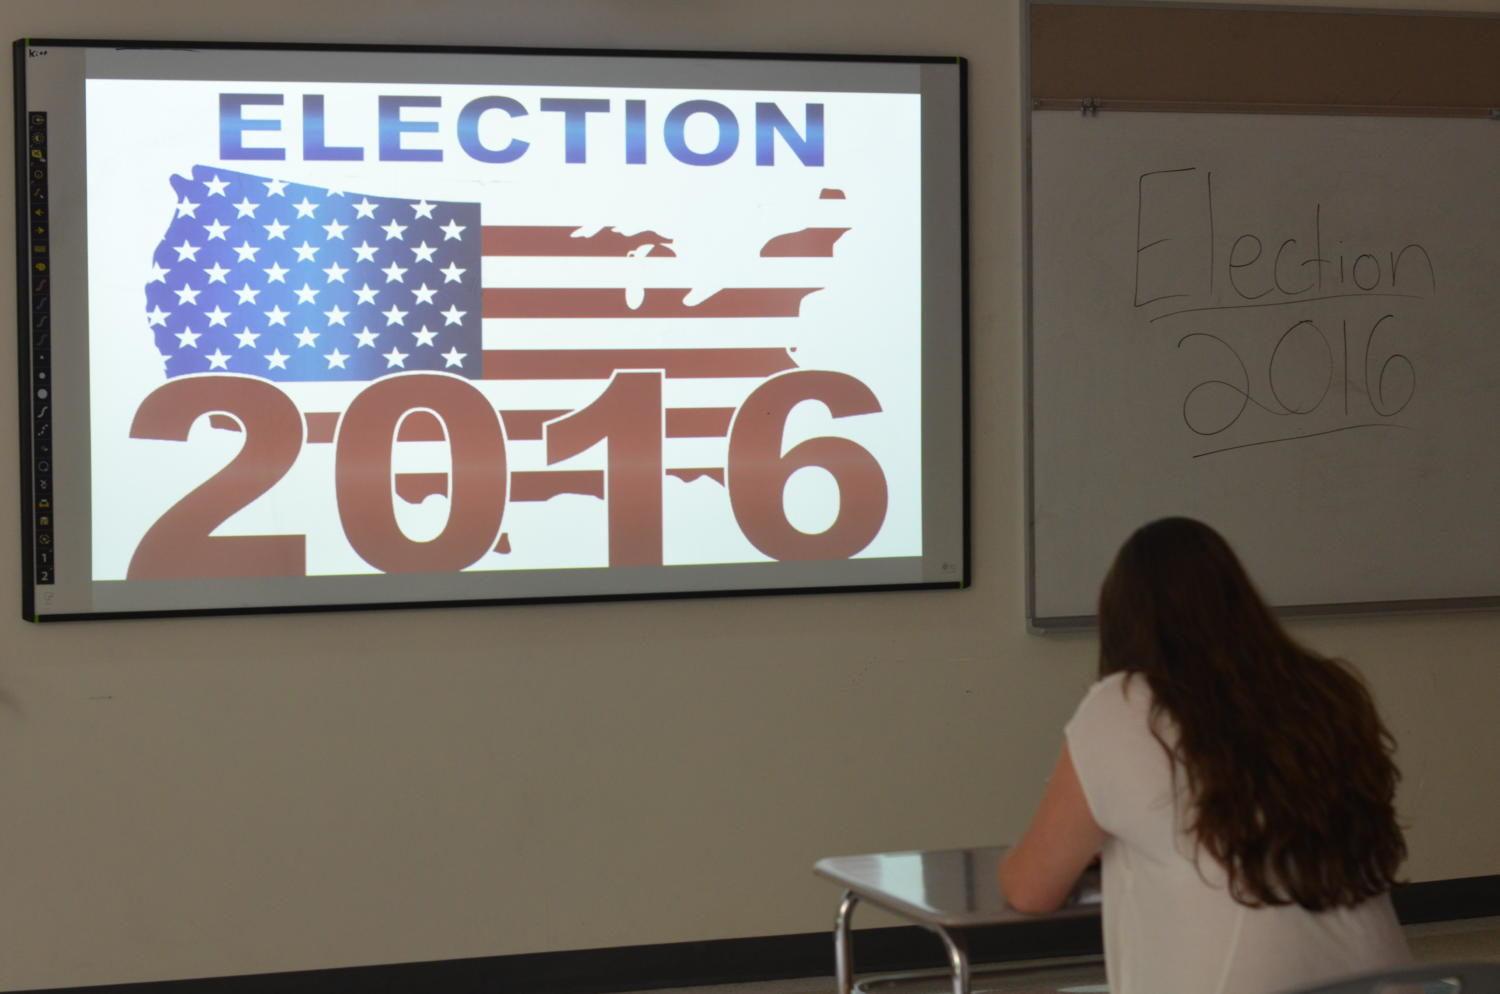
pixel 356 326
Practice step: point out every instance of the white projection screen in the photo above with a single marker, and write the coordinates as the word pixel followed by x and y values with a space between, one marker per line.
pixel 328 327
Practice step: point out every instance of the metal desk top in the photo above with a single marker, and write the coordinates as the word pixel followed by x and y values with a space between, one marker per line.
pixel 946 888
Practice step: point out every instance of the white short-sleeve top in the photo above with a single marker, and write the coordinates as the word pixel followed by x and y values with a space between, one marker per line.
pixel 1170 926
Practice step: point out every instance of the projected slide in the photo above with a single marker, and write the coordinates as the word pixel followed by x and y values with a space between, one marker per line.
pixel 339 329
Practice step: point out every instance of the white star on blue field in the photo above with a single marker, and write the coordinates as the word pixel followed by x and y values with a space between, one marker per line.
pixel 299 283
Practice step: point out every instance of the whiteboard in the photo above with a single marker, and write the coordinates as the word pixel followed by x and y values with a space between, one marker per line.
pixel 1286 326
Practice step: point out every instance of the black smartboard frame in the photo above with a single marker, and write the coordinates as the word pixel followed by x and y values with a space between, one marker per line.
pixel 27 368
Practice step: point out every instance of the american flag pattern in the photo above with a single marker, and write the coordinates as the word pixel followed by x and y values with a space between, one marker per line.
pixel 310 286
pixel 300 283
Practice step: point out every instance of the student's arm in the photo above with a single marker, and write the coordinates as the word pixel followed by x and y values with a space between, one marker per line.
pixel 1037 874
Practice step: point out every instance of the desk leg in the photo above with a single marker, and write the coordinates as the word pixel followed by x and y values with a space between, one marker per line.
pixel 843 951
pixel 958 959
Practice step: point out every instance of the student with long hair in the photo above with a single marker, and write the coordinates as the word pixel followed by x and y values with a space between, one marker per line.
pixel 1239 787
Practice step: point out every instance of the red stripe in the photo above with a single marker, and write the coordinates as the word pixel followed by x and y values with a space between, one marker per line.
pixel 540 485
pixel 809 243
pixel 526 426
pixel 536 485
pixel 321 425
pixel 421 426
pixel 609 302
pixel 526 240
pixel 689 475
pixel 417 487
pixel 681 422
pixel 600 364
pixel 698 422
pixel 418 426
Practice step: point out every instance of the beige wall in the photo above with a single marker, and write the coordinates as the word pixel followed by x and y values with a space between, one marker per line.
pixel 219 796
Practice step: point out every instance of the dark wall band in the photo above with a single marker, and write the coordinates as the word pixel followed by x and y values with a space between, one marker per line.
pixel 726 961
pixel 1192 55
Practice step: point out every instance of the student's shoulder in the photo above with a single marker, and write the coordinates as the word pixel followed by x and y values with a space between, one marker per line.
pixel 1119 686
pixel 1116 683
pixel 1120 695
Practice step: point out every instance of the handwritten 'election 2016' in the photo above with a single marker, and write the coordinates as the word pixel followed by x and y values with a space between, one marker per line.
pixel 1326 367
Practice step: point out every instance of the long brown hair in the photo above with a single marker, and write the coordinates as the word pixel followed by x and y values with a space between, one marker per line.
pixel 1286 760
